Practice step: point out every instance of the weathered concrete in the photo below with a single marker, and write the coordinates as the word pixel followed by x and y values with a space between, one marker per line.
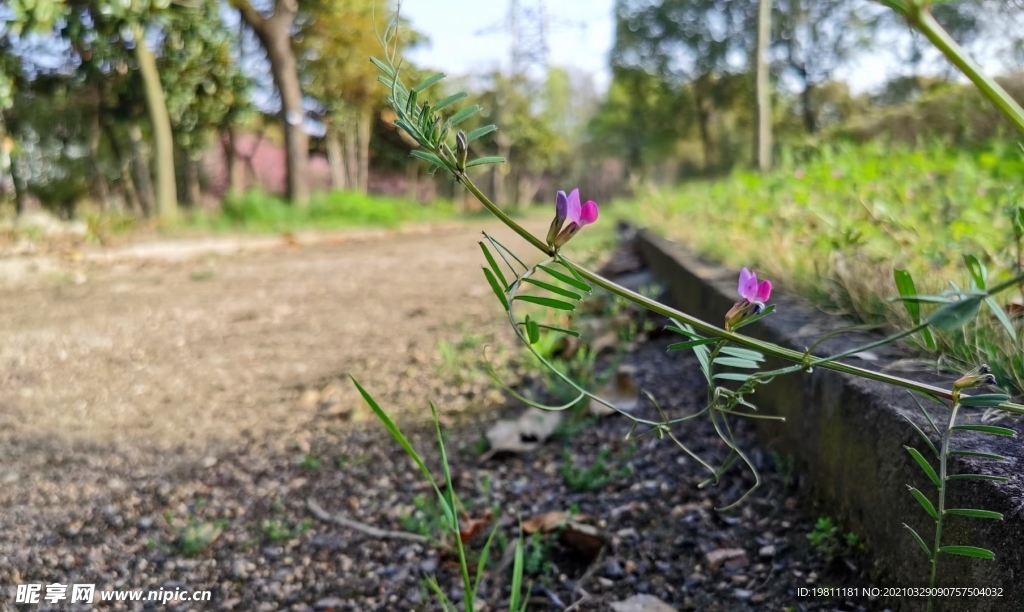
pixel 848 436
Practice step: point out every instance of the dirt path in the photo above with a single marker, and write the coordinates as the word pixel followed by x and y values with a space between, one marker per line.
pixel 183 352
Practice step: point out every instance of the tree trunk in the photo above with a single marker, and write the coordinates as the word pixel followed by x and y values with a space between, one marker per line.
pixel 763 130
pixel 275 36
pixel 127 183
pixel 193 188
pixel 163 141
pixel 363 126
pixel 412 174
pixel 351 156
pixel 140 165
pixel 704 127
pixel 335 158
pixel 806 100
pixel 233 162
pixel 501 171
pixel 100 186
pixel 20 186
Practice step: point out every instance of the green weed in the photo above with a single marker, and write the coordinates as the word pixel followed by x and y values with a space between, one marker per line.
pixel 595 477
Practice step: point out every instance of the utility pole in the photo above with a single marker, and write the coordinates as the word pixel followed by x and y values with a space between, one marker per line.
pixel 763 136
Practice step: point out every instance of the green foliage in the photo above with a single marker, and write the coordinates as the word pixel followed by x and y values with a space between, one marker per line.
pixel 595 477
pixel 449 515
pixel 198 534
pixel 276 530
pixel 258 211
pixel 827 540
pixel 311 462
pixel 832 224
pixel 427 517
pixel 538 556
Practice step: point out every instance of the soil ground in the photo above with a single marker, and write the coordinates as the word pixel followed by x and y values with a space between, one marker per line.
pixel 165 424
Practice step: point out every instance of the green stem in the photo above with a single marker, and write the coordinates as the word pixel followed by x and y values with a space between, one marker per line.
pixel 765 347
pixel 921 18
pixel 869 346
pixel 942 494
pixel 500 214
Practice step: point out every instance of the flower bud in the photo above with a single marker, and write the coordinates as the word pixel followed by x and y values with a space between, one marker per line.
pixel 561 212
pixel 980 376
pixel 566 234
pixel 741 311
pixel 461 150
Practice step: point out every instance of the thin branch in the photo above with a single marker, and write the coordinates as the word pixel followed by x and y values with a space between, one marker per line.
pixel 382 534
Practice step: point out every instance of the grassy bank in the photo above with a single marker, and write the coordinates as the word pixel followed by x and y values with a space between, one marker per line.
pixel 833 225
pixel 257 211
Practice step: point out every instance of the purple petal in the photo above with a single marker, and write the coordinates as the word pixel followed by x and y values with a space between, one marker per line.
pixel 574 206
pixel 561 205
pixel 764 291
pixel 748 285
pixel 588 213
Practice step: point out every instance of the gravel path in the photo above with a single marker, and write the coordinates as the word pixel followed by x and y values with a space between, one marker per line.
pixel 172 352
pixel 165 424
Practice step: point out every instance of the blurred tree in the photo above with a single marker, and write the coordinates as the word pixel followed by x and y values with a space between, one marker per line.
pixel 337 38
pixel 695 42
pixel 204 84
pixel 641 119
pixel 815 37
pixel 763 133
pixel 275 34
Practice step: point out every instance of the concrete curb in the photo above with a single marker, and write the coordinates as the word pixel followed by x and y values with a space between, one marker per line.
pixel 848 436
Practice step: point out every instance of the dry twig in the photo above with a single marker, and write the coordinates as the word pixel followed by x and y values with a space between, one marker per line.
pixel 383 534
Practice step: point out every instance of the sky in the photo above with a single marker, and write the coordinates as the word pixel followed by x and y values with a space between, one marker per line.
pixel 581 34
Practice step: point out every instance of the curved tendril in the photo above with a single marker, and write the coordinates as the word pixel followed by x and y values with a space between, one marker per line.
pixel 757 476
pixel 494 376
pixel 500 247
pixel 510 295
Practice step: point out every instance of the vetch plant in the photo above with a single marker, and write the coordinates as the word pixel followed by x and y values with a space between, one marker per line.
pixel 732 363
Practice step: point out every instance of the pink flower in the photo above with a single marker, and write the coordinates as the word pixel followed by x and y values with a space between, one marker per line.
pixel 568 207
pixel 754 296
pixel 750 290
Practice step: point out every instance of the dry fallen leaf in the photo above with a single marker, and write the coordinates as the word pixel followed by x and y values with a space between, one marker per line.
pixel 621 391
pixel 469 527
pixel 642 603
pixel 550 521
pixel 716 558
pixel 573 532
pixel 524 434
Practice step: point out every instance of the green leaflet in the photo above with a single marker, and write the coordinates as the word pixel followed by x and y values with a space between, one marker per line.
pixel 494 265
pixel 924 436
pixel 480 132
pixel 427 82
pixel 444 103
pixel 682 346
pixel 989 429
pixel 734 362
pixel 919 540
pixel 733 376
pixel 742 353
pixel 493 282
pixel 568 280
pixel 985 514
pixel 554 289
pixel 905 285
pixel 480 161
pixel 923 500
pixel 984 400
pixel 969 551
pixel 921 461
pixel 954 315
pixel 548 302
pixel 532 331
